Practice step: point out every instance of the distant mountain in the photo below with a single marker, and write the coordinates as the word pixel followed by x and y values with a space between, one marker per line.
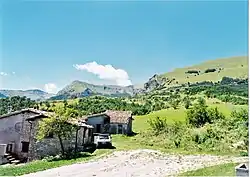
pixel 2 95
pixel 81 89
pixel 34 94
pixel 211 71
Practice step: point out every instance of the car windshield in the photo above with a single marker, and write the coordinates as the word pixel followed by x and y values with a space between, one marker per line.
pixel 103 137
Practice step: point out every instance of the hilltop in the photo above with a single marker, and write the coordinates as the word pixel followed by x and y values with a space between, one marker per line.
pixel 81 89
pixel 212 70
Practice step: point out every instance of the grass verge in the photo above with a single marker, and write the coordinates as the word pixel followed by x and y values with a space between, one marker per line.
pixel 218 170
pixel 41 165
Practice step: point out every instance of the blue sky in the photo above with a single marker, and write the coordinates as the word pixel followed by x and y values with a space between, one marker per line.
pixel 56 42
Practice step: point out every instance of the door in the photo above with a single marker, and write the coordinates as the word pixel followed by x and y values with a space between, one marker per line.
pixel 25 146
pixel 119 129
pixel 98 128
pixel 9 148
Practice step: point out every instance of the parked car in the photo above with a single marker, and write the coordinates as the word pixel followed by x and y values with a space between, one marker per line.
pixel 102 140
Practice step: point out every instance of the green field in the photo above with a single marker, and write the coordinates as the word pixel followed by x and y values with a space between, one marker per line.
pixel 140 123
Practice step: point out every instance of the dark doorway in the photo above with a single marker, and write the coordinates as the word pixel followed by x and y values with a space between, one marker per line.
pixel 119 129
pixel 98 128
pixel 9 148
pixel 25 146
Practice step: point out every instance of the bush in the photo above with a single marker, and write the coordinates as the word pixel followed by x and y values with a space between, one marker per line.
pixel 192 72
pixel 187 102
pixel 219 135
pixel 200 114
pixel 174 103
pixel 157 124
pixel 209 70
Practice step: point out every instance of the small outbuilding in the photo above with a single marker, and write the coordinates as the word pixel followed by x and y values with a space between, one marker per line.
pixel 111 121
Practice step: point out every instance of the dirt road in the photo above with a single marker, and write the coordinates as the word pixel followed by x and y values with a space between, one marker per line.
pixel 137 163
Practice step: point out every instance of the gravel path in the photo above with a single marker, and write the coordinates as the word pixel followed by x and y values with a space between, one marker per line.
pixel 137 163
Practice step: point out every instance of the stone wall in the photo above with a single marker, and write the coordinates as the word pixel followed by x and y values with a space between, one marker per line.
pixel 3 160
pixel 51 146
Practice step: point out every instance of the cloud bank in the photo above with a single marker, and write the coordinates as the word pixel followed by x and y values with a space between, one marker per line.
pixel 3 74
pixel 6 74
pixel 50 88
pixel 106 72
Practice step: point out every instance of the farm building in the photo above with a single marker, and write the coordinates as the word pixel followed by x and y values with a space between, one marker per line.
pixel 18 136
pixel 114 122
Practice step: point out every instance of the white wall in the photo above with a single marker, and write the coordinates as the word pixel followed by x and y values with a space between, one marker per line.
pixel 11 129
pixel 96 120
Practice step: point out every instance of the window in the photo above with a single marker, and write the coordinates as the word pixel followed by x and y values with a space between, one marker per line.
pixel 25 146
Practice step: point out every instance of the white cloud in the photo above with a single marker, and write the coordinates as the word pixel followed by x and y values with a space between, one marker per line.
pixel 107 72
pixel 3 74
pixel 50 88
pixel 13 73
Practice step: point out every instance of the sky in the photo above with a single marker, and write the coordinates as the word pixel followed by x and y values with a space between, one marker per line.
pixel 48 44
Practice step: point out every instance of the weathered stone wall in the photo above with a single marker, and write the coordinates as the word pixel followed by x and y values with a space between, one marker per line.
pixel 51 146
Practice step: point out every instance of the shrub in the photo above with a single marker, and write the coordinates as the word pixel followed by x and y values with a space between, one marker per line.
pixel 209 70
pixel 187 102
pixel 200 114
pixel 157 124
pixel 192 72
pixel 175 103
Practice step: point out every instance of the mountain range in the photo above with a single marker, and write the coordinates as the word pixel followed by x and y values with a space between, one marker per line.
pixel 34 94
pixel 212 71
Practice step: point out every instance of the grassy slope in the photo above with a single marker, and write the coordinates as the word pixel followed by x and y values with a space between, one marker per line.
pixel 140 123
pixel 218 170
pixel 232 67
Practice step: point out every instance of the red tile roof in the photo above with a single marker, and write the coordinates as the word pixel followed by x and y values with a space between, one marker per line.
pixel 119 116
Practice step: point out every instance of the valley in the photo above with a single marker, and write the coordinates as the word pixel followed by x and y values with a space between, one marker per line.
pixel 185 112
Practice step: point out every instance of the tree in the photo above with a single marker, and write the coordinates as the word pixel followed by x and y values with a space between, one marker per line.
pixel 187 102
pixel 58 125
pixel 15 103
pixel 175 103
pixel 65 103
pixel 200 114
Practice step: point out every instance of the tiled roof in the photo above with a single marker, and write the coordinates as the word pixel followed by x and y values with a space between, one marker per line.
pixel 119 116
pixel 115 116
pixel 39 112
pixel 80 123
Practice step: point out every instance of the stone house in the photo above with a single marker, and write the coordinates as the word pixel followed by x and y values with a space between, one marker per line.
pixel 18 131
pixel 114 122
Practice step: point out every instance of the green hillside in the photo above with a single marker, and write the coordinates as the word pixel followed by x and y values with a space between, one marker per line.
pixel 234 67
